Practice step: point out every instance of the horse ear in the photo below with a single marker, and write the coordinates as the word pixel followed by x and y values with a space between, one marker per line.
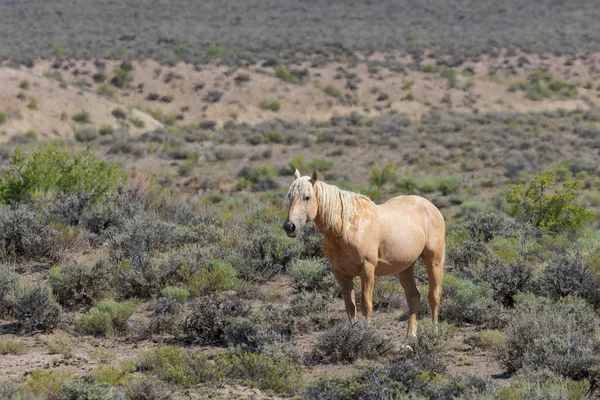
pixel 297 174
pixel 315 177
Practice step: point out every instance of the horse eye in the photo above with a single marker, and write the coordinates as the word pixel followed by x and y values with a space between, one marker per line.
pixel 307 198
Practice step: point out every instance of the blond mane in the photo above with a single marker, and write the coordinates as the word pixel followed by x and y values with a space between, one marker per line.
pixel 335 205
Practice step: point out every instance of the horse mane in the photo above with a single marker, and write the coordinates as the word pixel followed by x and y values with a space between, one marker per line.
pixel 332 199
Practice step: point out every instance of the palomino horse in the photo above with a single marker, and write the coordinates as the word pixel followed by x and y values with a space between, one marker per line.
pixel 367 240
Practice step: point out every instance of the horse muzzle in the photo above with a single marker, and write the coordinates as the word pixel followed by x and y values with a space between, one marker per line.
pixel 290 229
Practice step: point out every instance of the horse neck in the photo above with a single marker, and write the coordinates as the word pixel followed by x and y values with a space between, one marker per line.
pixel 335 231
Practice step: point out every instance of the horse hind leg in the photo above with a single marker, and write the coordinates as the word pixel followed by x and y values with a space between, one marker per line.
pixel 413 298
pixel 434 265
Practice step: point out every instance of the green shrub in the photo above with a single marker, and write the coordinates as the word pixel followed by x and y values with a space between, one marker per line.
pixel 551 210
pixel 570 275
pixel 59 344
pixel 86 134
pixel 449 185
pixel 311 275
pixel 9 285
pixel 121 78
pixel 173 365
pixel 260 370
pixel 82 117
pixel 285 75
pixel 99 77
pixel 313 307
pixel 137 122
pixel 332 91
pixel 119 113
pixel 560 336
pixel 51 169
pixel 106 130
pixel 175 292
pixel 85 388
pixel 146 388
pixel 272 105
pixel 12 347
pixel 488 340
pixel 3 117
pixel 320 164
pixel 383 176
pixel 24 84
pixel 255 334
pixel 35 308
pixel 30 134
pixel 466 302
pixel 115 375
pixel 78 284
pixel 218 276
pixel 346 342
pixel 450 74
pixel 211 315
pixel 430 68
pixel 33 104
pixel 26 234
pixel 107 319
pixel 46 384
pixel 273 137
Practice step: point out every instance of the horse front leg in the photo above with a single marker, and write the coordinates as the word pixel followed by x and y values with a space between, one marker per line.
pixel 367 280
pixel 347 285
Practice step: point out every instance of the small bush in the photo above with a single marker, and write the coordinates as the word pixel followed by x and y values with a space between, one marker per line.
pixel 119 113
pixel 217 276
pixel 556 212
pixel 165 316
pixel 51 169
pixel 12 347
pixel 9 285
pixel 488 340
pixel 59 344
pixel 383 176
pixel 3 117
pixel 312 274
pixel 171 364
pixel 35 308
pixel 24 84
pixel 46 384
pixel 466 302
pixel 346 342
pixel 332 91
pixel 82 117
pixel 175 292
pixel 211 315
pixel 107 319
pixel 115 375
pixel 85 388
pixel 213 96
pixel 285 75
pixel 121 78
pixel 146 388
pixel 26 235
pixel 106 130
pixel 272 105
pixel 312 307
pixel 86 134
pixel 562 337
pixel 80 284
pixel 33 104
pixel 570 276
pixel 262 371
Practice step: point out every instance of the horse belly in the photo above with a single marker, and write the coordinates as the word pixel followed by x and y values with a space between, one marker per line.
pixel 397 255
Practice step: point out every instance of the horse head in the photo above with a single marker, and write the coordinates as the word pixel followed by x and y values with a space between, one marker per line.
pixel 303 203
